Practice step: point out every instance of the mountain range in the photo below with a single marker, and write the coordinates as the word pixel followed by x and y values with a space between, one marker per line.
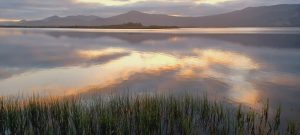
pixel 285 15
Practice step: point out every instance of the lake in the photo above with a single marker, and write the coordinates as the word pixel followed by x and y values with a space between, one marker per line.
pixel 239 65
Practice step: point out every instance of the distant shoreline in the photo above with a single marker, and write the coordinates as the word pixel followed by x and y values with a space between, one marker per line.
pixel 144 27
pixel 122 26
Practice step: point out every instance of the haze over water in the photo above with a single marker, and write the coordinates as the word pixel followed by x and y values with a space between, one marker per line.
pixel 240 65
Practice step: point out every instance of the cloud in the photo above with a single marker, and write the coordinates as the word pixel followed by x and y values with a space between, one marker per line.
pixel 128 2
pixel 36 9
pixel 110 2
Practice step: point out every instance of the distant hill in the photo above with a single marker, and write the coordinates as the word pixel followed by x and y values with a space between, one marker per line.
pixel 81 20
pixel 286 15
pixel 118 26
pixel 266 16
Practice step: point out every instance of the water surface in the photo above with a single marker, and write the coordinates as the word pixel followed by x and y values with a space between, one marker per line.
pixel 240 65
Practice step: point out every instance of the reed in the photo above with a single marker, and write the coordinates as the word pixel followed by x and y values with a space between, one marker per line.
pixel 137 115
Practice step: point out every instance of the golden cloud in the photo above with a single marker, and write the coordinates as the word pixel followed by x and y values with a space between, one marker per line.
pixel 127 2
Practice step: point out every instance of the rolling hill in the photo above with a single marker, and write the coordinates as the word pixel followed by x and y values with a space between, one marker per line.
pixel 286 15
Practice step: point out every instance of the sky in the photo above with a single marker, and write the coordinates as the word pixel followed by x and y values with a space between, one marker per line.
pixel 13 10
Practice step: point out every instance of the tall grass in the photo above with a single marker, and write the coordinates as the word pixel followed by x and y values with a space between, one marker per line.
pixel 139 115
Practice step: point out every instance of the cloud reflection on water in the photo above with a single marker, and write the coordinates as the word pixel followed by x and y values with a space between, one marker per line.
pixel 231 66
pixel 198 66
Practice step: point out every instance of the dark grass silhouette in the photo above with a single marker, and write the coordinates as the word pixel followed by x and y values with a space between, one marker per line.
pixel 136 115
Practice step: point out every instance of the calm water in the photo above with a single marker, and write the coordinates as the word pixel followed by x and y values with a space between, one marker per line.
pixel 241 65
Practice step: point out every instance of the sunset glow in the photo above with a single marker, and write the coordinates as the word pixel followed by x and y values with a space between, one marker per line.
pixel 211 1
pixel 8 20
pixel 109 2
pixel 107 8
pixel 126 2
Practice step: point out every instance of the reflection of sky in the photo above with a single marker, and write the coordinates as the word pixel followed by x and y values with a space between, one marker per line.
pixel 245 69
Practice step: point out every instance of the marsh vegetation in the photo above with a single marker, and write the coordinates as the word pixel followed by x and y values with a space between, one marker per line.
pixel 137 115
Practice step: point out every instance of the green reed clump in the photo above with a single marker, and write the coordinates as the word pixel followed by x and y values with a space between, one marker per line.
pixel 137 115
